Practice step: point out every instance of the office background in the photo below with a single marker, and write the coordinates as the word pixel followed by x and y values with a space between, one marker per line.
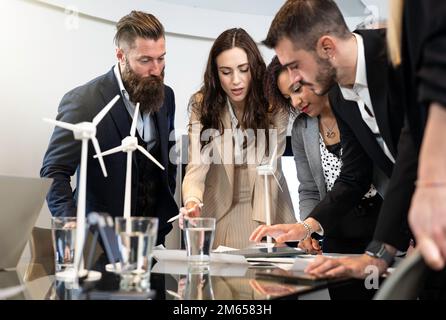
pixel 49 47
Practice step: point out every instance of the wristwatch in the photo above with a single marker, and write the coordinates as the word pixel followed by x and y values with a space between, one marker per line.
pixel 377 249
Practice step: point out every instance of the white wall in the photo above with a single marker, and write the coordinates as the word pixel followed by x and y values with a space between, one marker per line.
pixel 41 60
pixel 45 54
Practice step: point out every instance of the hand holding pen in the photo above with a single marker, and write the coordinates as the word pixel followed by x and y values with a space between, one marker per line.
pixel 192 209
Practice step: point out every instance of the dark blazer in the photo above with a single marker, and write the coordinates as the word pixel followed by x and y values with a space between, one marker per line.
pixel 62 158
pixel 389 119
pixel 360 148
pixel 360 221
pixel 384 86
pixel 424 70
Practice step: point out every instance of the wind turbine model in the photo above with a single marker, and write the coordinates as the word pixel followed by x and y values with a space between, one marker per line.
pixel 130 144
pixel 83 131
pixel 268 170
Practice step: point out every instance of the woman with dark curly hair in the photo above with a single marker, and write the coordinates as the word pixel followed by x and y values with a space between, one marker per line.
pixel 231 132
pixel 317 150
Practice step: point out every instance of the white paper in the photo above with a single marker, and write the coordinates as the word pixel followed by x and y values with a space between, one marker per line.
pixel 224 249
pixel 180 255
pixel 216 269
pixel 272 260
pixel 253 245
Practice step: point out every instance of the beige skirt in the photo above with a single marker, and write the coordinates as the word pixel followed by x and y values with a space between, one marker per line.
pixel 235 227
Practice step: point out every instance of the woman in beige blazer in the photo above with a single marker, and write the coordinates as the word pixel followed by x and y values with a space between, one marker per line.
pixel 231 133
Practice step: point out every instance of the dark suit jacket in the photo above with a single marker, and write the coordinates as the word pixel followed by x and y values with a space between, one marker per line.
pixel 359 223
pixel 424 70
pixel 360 148
pixel 62 158
pixel 389 119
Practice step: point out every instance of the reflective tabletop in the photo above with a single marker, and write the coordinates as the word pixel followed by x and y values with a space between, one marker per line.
pixel 168 281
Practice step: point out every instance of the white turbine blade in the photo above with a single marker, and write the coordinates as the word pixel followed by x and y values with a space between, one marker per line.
pixel 98 152
pixel 135 120
pixel 273 158
pixel 109 152
pixel 65 125
pixel 278 183
pixel 148 155
pixel 104 111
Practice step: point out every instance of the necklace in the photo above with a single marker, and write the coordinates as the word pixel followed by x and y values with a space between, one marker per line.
pixel 330 133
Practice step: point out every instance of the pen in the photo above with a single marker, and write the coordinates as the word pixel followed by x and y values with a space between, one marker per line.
pixel 174 294
pixel 200 205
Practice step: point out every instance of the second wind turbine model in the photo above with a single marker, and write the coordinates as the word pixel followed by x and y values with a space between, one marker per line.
pixel 130 144
pixel 268 170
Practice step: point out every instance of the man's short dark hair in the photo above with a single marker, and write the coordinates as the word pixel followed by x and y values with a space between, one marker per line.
pixel 305 21
pixel 137 24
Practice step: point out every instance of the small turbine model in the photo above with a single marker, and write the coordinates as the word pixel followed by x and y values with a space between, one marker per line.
pixel 268 170
pixel 130 144
pixel 83 131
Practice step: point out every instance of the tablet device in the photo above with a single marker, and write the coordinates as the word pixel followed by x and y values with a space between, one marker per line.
pixel 273 252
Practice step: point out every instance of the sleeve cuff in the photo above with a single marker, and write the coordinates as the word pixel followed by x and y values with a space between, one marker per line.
pixel 321 232
pixel 195 199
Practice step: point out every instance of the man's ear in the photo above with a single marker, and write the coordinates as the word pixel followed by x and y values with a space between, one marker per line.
pixel 120 55
pixel 326 47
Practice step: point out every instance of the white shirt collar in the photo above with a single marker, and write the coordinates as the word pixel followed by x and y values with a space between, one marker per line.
pixel 361 72
pixel 122 89
pixel 143 120
pixel 234 120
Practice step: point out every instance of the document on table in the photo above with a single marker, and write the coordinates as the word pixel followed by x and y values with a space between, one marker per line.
pixel 180 255
pixel 217 269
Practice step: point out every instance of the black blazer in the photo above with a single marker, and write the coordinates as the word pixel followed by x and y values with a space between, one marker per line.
pixel 360 149
pixel 389 119
pixel 424 70
pixel 62 158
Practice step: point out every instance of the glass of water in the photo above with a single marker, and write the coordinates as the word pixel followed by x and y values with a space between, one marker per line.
pixel 199 236
pixel 63 231
pixel 136 238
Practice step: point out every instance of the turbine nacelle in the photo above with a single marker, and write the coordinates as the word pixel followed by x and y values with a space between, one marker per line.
pixel 84 130
pixel 129 144
pixel 265 169
pixel 270 168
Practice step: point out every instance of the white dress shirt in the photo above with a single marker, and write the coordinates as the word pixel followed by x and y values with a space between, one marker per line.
pixel 360 93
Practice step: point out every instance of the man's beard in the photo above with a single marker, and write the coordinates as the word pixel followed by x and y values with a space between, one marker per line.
pixel 326 76
pixel 148 91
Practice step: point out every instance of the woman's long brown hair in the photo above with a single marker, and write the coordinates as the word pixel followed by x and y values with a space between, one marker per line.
pixel 210 100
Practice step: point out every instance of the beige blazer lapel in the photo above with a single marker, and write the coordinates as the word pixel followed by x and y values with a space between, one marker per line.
pixel 259 159
pixel 225 147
